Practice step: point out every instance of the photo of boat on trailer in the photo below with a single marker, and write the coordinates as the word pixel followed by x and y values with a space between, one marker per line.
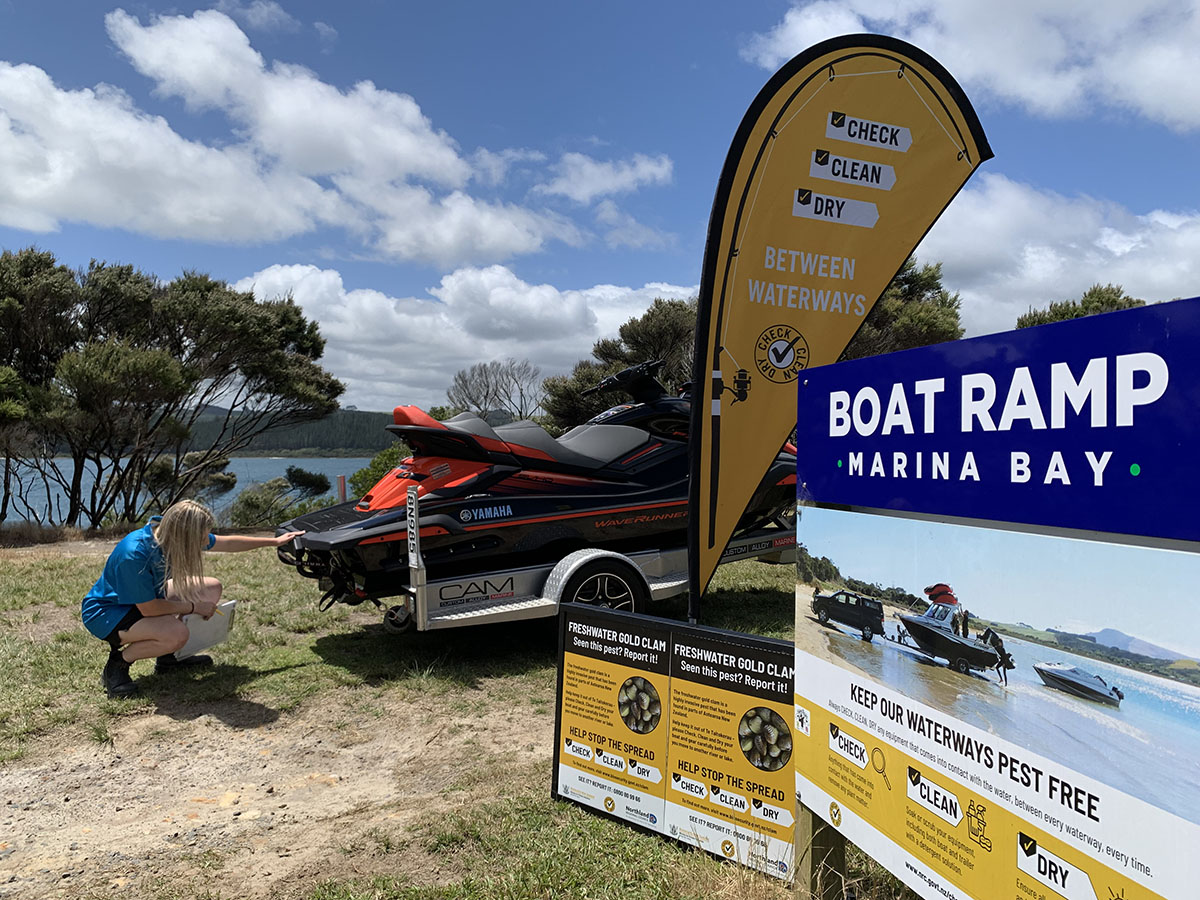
pixel 1075 680
pixel 935 632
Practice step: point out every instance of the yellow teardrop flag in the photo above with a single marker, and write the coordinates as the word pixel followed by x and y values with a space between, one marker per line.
pixel 842 163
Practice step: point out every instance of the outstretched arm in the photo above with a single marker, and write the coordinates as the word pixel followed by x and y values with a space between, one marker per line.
pixel 235 543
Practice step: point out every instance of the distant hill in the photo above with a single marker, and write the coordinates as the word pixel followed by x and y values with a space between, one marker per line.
pixel 346 432
pixel 1110 637
pixel 1174 666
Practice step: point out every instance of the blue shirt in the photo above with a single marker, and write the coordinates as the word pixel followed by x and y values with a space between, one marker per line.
pixel 135 573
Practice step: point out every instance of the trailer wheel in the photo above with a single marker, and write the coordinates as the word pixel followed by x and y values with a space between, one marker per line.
pixel 608 583
pixel 961 665
pixel 397 621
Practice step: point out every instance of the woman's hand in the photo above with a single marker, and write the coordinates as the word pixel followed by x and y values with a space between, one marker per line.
pixel 282 539
pixel 205 608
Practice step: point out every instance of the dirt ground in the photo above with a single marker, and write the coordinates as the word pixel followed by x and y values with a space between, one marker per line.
pixel 183 802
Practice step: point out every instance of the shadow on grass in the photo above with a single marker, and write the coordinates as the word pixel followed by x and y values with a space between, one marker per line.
pixel 461 656
pixel 769 613
pixel 185 696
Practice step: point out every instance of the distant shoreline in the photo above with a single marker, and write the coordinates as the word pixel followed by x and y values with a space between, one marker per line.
pixel 1184 671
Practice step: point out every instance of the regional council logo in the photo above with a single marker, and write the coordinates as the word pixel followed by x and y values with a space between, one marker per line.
pixel 780 353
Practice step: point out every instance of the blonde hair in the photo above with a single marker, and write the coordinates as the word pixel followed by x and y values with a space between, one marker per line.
pixel 183 536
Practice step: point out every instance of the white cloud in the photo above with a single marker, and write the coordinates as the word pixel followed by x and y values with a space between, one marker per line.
pixel 1054 59
pixel 393 350
pixel 261 15
pixel 299 154
pixel 1006 247
pixel 327 34
pixel 582 179
pixel 287 112
pixel 493 168
pixel 92 156
pixel 455 228
pixel 626 231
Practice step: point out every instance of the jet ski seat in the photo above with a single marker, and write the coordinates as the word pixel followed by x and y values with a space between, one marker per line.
pixel 583 447
pixel 586 446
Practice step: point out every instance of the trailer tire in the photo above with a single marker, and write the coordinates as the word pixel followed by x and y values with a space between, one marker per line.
pixel 608 583
pixel 961 665
pixel 397 621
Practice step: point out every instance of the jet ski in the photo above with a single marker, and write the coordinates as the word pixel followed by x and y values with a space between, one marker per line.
pixel 1075 680
pixel 513 496
pixel 933 633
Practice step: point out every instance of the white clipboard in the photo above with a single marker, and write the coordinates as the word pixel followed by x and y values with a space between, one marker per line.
pixel 204 633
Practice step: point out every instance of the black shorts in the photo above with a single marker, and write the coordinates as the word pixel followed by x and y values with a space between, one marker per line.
pixel 114 636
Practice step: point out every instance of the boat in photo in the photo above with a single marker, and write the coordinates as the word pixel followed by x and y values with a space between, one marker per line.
pixel 1075 680
pixel 933 632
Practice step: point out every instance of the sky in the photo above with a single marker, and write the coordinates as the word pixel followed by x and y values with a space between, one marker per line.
pixel 1007 576
pixel 444 184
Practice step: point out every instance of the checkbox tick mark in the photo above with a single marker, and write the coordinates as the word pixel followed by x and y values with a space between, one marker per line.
pixel 780 355
pixel 822 157
pixel 838 119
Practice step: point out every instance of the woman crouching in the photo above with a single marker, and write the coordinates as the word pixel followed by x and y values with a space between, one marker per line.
pixel 153 578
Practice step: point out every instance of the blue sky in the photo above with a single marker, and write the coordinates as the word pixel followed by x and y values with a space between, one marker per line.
pixel 443 184
pixel 1008 576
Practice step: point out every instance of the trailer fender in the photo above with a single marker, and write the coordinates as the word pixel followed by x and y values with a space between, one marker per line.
pixel 571 564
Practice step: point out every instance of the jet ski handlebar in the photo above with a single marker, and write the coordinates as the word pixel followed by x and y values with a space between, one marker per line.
pixel 638 381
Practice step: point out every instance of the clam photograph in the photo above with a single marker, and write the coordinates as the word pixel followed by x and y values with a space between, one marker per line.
pixel 765 739
pixel 639 705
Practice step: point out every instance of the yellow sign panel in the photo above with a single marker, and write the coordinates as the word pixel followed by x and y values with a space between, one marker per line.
pixel 681 730
pixel 613 715
pixel 842 163
pixel 730 790
pixel 954 835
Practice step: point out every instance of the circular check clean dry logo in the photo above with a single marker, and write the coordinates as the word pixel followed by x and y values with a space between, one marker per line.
pixel 780 353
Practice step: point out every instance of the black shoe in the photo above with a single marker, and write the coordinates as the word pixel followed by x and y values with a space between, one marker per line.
pixel 116 678
pixel 169 663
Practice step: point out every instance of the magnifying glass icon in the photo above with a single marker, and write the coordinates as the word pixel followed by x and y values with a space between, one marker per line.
pixel 878 763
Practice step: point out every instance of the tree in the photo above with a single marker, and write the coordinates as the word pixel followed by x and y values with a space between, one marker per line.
pixel 273 501
pixel 118 368
pixel 39 314
pixel 1096 299
pixel 665 331
pixel 210 481
pixel 38 323
pixel 13 413
pixel 500 385
pixel 913 311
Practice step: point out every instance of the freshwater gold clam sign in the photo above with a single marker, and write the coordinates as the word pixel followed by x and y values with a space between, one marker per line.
pixel 680 730
pixel 842 163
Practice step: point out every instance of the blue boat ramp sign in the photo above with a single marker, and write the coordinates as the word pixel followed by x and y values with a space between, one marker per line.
pixel 1090 425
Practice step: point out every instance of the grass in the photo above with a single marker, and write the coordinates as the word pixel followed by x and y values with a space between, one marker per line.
pixel 284 655
pixel 527 845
